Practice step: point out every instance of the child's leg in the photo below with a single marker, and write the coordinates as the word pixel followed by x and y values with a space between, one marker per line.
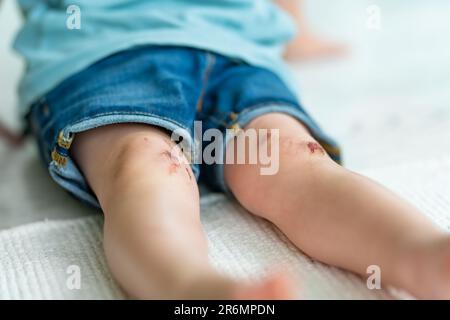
pixel 340 217
pixel 153 239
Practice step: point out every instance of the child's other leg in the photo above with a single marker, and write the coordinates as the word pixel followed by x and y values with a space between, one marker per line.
pixel 153 238
pixel 340 217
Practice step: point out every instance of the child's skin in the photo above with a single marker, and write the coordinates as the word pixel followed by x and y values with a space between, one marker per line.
pixel 156 247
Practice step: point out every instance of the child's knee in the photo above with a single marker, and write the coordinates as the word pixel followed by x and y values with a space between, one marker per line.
pixel 148 152
pixel 301 149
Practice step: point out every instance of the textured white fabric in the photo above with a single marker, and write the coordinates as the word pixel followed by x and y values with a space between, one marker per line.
pixel 34 258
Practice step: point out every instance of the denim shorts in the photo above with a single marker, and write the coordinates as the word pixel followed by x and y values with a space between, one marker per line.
pixel 168 87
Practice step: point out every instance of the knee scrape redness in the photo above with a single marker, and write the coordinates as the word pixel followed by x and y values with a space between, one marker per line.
pixel 174 162
pixel 295 147
pixel 314 147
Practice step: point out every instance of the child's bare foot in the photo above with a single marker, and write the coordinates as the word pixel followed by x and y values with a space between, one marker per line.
pixel 221 288
pixel 308 46
pixel 272 288
pixel 431 276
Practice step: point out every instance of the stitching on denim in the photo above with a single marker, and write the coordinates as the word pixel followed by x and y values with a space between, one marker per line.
pixel 211 61
pixel 295 113
pixel 115 113
pixel 252 107
pixel 275 103
pixel 54 142
pixel 145 114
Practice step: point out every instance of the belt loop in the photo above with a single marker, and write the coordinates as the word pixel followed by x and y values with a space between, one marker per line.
pixel 60 160
pixel 210 62
pixel 64 142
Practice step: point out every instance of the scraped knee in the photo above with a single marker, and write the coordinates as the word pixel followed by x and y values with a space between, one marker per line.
pixel 302 148
pixel 148 151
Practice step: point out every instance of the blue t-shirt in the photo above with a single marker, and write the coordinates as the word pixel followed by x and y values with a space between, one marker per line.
pixel 254 31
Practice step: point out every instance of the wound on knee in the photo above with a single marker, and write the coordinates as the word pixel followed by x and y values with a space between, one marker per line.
pixel 294 146
pixel 174 161
pixel 314 147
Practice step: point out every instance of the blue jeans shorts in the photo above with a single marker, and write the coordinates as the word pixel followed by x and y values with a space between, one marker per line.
pixel 168 87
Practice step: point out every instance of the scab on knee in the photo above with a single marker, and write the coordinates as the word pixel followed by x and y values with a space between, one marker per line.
pixel 297 147
pixel 176 162
pixel 172 159
pixel 315 148
pixel 138 152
